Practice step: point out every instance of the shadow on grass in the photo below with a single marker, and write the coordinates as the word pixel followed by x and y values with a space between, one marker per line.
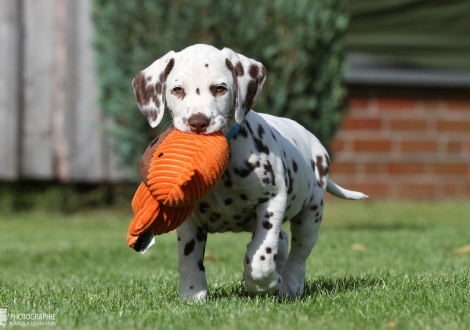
pixel 339 285
pixel 229 291
pixel 383 227
pixel 321 286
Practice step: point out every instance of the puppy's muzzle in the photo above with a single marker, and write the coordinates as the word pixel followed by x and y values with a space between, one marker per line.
pixel 198 123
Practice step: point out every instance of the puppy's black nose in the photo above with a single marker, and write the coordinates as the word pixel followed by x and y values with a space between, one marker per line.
pixel 198 123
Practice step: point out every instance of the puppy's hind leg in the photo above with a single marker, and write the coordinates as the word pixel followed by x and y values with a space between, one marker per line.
pixel 282 250
pixel 304 229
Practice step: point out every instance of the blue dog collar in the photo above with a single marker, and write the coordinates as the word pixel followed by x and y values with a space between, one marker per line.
pixel 233 131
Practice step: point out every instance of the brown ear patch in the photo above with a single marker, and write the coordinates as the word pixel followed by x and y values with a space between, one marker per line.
pixel 253 71
pixel 158 88
pixel 147 156
pixel 257 73
pixel 251 91
pixel 234 77
pixel 239 69
pixel 164 75
pixel 143 92
pixel 150 114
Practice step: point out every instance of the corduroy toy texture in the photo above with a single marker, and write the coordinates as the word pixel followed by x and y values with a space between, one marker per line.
pixel 177 170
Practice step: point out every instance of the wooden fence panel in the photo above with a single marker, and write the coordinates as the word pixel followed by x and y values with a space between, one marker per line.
pixel 87 155
pixel 38 79
pixel 9 83
pixel 51 127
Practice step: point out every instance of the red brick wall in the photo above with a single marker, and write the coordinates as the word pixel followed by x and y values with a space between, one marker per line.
pixel 404 144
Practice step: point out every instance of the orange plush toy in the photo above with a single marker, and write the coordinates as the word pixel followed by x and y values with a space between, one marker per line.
pixel 177 170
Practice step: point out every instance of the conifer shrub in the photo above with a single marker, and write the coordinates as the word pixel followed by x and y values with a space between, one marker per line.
pixel 300 42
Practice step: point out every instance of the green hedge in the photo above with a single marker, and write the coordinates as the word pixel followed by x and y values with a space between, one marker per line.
pixel 300 42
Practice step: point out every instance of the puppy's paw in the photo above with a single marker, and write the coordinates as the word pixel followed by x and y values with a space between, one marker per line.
pixel 193 295
pixel 263 286
pixel 291 287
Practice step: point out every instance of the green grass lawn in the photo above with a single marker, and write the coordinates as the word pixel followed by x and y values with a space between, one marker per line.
pixel 375 266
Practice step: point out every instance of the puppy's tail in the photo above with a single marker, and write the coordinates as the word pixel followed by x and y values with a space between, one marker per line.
pixel 340 192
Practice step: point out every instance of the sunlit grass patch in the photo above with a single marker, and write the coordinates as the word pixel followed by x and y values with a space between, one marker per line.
pixel 375 266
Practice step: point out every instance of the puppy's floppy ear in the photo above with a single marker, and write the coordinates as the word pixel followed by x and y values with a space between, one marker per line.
pixel 150 87
pixel 249 76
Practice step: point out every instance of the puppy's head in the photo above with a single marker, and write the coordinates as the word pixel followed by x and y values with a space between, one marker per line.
pixel 206 89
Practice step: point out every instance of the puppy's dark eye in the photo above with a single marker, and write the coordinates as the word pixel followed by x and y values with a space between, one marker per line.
pixel 220 88
pixel 178 90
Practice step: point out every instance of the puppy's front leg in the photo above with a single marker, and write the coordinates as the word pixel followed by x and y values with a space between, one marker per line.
pixel 260 272
pixel 191 245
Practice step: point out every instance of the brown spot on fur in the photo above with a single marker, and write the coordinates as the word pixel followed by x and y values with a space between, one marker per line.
pixel 239 69
pixel 323 171
pixel 143 92
pixel 253 71
pixel 158 88
pixel 251 91
pixel 235 80
pixel 328 162
pixel 267 225
pixel 150 114
pixel 163 94
pixel 168 68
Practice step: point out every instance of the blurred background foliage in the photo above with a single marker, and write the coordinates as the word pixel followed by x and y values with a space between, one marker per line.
pixel 300 42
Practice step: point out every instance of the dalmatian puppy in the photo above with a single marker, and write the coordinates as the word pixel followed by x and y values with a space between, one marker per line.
pixel 277 172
